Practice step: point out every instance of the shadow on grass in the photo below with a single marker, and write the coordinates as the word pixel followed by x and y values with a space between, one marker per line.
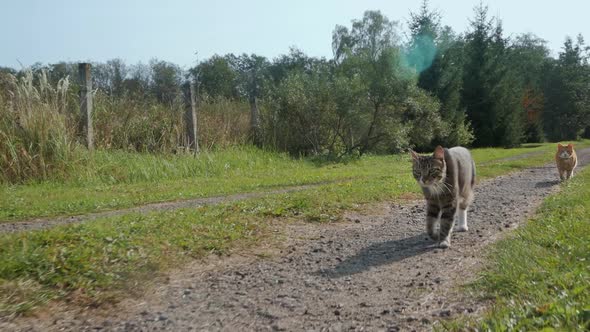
pixel 531 145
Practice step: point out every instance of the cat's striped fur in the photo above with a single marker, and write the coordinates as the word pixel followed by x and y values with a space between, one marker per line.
pixel 447 179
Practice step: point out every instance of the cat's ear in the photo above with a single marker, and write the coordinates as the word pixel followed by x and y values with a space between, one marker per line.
pixel 415 156
pixel 439 153
pixel 570 147
pixel 559 146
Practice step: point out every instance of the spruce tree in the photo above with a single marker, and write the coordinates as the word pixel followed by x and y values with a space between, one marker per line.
pixel 436 53
pixel 567 92
pixel 490 88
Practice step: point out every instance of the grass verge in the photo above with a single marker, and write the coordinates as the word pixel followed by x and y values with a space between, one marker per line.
pixel 133 179
pixel 119 179
pixel 539 277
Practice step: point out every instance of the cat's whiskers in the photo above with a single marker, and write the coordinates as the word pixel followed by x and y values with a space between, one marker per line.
pixel 438 188
pixel 446 186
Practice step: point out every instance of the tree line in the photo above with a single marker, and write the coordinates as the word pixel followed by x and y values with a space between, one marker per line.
pixel 381 92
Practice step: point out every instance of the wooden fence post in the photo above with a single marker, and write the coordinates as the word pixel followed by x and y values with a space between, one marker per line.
pixel 191 100
pixel 255 122
pixel 85 80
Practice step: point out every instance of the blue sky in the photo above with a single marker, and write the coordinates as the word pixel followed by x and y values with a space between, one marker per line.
pixel 51 31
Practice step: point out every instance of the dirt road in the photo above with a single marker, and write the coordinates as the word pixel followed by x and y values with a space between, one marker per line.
pixel 373 272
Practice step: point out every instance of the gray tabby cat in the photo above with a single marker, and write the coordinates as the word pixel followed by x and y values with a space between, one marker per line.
pixel 447 179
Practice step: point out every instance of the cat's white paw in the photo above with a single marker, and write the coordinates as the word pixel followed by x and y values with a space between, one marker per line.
pixel 445 244
pixel 461 228
pixel 462 225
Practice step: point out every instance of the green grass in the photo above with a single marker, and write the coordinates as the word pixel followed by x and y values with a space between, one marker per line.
pixel 120 179
pixel 539 277
pixel 98 261
pixel 94 261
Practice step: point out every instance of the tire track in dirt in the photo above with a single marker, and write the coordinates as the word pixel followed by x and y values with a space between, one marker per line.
pixel 513 158
pixel 375 272
pixel 43 223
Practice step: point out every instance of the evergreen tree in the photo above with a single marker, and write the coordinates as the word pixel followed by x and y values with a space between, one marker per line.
pixel 424 30
pixel 567 92
pixel 506 93
pixel 475 96
pixel 437 54
pixel 490 88
pixel 528 56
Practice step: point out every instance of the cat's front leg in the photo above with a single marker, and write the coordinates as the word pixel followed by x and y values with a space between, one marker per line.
pixel 462 212
pixel 432 211
pixel 570 174
pixel 462 224
pixel 447 221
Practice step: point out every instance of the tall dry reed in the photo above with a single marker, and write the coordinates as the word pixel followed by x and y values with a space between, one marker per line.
pixel 37 140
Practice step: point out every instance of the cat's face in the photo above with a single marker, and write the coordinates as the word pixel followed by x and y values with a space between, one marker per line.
pixel 565 151
pixel 429 170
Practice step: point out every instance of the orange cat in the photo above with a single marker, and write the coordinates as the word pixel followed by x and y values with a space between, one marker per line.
pixel 566 161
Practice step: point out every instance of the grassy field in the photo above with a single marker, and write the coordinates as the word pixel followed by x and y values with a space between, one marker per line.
pixel 94 262
pixel 128 179
pixel 539 277
pixel 119 179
